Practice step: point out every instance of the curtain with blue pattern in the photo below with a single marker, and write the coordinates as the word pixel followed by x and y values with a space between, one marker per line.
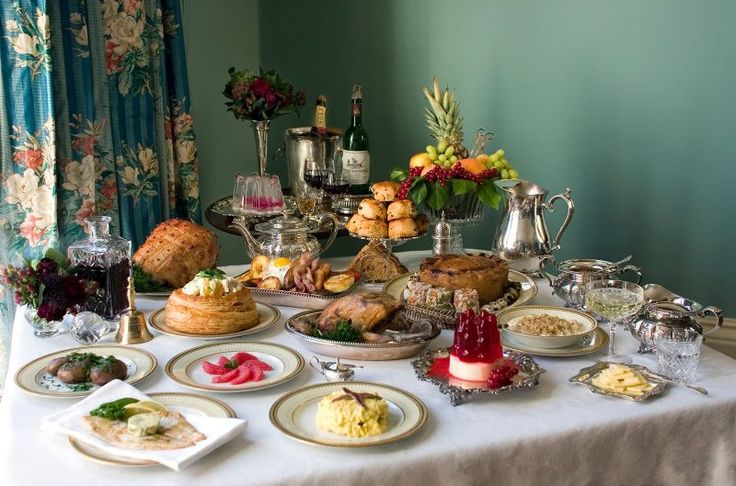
pixel 94 119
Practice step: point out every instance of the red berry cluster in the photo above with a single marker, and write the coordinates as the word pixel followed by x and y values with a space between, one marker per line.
pixel 458 172
pixel 502 376
pixel 438 174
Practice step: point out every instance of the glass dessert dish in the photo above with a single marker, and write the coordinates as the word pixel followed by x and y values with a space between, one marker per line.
pixel 256 195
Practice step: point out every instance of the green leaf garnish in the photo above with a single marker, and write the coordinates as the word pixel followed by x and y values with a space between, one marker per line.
pixel 418 191
pixel 463 186
pixel 488 195
pixel 437 197
pixel 398 174
pixel 113 410
pixel 344 332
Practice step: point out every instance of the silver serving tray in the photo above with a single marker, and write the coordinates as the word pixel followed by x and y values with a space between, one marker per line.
pixel 290 298
pixel 366 351
pixel 458 394
pixel 585 378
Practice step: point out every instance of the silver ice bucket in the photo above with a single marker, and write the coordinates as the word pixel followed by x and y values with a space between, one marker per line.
pixel 300 145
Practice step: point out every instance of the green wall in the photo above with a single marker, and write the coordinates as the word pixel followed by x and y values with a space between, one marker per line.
pixel 220 34
pixel 632 104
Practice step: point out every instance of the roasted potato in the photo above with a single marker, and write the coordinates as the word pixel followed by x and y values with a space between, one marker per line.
pixel 74 372
pixel 321 274
pixel 270 283
pixel 105 373
pixel 55 364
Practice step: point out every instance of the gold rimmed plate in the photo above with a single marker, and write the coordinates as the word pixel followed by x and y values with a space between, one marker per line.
pixel 186 368
pixel 268 316
pixel 596 341
pixel 185 403
pixel 34 379
pixel 294 415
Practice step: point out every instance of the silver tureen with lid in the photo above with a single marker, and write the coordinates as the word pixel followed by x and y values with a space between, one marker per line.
pixel 573 275
pixel 668 315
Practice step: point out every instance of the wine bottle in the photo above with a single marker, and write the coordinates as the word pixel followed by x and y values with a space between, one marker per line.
pixel 356 160
pixel 319 126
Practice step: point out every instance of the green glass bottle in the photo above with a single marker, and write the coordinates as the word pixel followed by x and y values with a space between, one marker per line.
pixel 356 160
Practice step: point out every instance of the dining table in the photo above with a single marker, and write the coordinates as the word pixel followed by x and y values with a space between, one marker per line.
pixel 555 433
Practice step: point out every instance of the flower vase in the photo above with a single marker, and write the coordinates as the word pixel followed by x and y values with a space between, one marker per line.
pixel 41 326
pixel 260 128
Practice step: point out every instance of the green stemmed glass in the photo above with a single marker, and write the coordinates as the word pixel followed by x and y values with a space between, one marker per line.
pixel 614 300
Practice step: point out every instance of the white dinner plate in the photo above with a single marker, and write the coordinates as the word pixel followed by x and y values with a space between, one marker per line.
pixel 34 379
pixel 294 415
pixel 185 403
pixel 268 316
pixel 186 368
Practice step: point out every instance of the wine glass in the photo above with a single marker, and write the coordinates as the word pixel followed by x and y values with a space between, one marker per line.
pixel 614 300
pixel 314 174
pixel 306 201
pixel 335 185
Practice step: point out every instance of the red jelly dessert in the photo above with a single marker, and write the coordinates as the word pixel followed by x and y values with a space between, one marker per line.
pixel 477 345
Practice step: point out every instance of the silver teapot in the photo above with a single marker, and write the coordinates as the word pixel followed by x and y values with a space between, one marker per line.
pixel 569 284
pixel 285 237
pixel 521 236
pixel 668 315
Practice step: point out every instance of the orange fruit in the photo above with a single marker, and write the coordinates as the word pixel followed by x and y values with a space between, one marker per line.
pixel 428 169
pixel 420 160
pixel 474 166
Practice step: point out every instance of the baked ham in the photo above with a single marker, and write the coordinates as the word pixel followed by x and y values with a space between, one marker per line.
pixel 175 251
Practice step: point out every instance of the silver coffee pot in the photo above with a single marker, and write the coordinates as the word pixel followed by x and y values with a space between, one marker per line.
pixel 521 236
pixel 668 315
pixel 573 275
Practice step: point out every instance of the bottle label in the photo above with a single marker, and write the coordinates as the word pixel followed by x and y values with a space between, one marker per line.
pixel 356 166
pixel 320 117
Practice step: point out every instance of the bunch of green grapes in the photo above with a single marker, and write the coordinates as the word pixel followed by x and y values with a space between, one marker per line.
pixel 442 155
pixel 498 160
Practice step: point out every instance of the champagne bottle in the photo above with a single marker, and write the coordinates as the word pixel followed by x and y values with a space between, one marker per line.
pixel 319 126
pixel 356 160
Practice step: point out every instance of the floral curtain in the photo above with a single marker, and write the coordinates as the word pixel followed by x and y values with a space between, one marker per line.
pixel 94 119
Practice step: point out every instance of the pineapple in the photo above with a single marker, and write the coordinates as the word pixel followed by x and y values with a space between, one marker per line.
pixel 443 118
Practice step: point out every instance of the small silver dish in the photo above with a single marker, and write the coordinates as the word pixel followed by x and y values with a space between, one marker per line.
pixel 530 371
pixel 585 378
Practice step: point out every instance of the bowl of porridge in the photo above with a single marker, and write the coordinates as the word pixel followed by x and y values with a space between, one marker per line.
pixel 548 327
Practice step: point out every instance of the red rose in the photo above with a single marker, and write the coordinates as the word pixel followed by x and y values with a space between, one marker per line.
pixel 273 98
pixel 260 87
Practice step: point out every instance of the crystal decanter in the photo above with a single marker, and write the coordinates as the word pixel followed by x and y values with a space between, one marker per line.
pixel 105 259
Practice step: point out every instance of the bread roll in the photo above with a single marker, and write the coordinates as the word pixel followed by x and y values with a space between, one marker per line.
pixel 401 209
pixel 370 228
pixel 355 221
pixel 402 228
pixel 385 191
pixel 372 209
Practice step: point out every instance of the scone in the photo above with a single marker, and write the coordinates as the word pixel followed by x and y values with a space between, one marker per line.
pixel 402 228
pixel 372 209
pixel 354 223
pixel 385 191
pixel 371 228
pixel 401 209
pixel 211 304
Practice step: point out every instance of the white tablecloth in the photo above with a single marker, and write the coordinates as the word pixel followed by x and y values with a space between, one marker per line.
pixel 556 433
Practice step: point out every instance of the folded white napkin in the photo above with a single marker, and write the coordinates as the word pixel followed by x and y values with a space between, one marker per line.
pixel 69 422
